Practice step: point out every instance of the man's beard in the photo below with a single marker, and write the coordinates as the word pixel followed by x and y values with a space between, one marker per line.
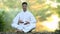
pixel 24 10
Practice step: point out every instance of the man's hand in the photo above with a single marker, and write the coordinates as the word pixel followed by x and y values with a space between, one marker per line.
pixel 20 21
pixel 27 22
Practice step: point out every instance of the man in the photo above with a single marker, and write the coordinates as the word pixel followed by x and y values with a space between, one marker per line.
pixel 24 21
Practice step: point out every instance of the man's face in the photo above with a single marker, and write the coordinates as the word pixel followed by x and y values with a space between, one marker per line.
pixel 24 6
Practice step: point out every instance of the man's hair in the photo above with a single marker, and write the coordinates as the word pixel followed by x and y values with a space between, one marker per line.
pixel 24 3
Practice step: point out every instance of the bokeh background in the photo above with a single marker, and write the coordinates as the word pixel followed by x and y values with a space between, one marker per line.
pixel 46 12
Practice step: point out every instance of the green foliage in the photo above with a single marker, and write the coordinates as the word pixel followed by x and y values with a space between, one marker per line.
pixel 2 24
pixel 58 1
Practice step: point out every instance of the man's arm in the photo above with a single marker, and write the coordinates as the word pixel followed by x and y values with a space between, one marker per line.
pixel 15 21
pixel 32 19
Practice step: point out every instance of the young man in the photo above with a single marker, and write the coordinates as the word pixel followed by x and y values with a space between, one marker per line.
pixel 24 21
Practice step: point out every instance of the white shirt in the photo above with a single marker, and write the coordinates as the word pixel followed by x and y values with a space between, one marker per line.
pixel 24 16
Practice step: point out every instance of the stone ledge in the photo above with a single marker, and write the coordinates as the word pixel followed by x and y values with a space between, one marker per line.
pixel 30 33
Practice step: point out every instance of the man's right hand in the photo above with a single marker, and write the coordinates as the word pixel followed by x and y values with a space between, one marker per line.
pixel 20 21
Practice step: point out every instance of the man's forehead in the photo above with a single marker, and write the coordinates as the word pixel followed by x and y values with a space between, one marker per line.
pixel 24 5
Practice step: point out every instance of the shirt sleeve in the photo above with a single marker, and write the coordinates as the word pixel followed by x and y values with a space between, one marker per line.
pixel 15 22
pixel 32 18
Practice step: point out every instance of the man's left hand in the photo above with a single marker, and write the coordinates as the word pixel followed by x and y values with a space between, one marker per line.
pixel 27 22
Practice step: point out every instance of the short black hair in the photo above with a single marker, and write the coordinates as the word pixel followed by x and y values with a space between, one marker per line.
pixel 24 3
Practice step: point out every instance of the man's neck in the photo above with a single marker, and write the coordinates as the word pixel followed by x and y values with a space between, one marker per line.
pixel 24 10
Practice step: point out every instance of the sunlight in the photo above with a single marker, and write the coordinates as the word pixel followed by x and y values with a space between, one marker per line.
pixel 23 0
pixel 52 25
pixel 48 12
pixel 54 5
pixel 48 2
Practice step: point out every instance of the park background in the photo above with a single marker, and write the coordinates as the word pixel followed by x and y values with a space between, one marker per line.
pixel 46 12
